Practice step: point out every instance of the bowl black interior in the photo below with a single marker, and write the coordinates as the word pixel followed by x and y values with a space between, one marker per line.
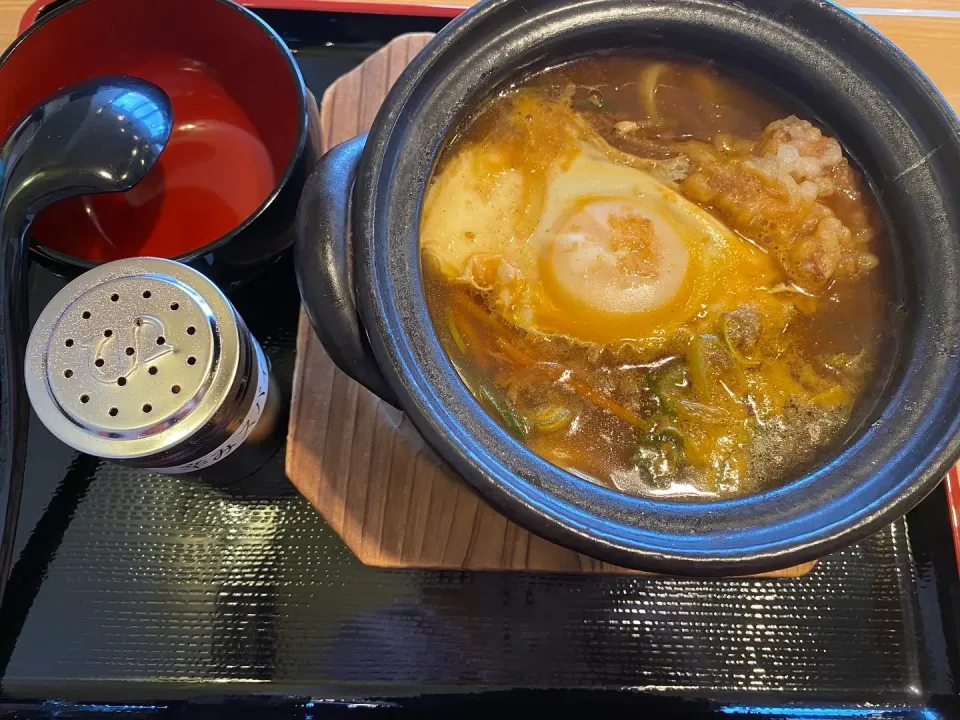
pixel 888 117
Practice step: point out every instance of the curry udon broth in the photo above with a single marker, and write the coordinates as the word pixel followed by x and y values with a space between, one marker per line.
pixel 655 276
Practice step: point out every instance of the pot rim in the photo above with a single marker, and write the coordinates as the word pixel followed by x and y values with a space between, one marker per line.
pixel 527 488
pixel 64 259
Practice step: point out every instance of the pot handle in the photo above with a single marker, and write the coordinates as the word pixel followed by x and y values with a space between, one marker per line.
pixel 324 257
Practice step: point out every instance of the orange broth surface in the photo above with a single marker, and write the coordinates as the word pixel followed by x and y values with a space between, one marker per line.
pixel 657 276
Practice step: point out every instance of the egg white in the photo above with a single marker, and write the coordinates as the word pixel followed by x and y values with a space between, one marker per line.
pixel 551 254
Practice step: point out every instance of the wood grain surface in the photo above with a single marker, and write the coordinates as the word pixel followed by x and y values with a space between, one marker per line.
pixel 10 13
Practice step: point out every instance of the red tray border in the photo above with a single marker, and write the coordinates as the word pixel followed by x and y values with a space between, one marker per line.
pixel 371 7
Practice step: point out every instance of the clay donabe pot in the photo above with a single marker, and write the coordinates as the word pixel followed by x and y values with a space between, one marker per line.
pixel 359 270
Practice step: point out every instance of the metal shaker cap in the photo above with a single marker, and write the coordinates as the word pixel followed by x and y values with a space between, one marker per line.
pixel 133 358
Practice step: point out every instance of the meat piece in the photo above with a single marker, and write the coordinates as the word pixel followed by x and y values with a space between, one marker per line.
pixel 796 149
pixel 814 259
pixel 780 191
pixel 742 326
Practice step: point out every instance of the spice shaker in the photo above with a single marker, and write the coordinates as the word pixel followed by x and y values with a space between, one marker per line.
pixel 145 362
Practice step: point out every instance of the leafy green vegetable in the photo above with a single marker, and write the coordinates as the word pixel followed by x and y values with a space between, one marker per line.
pixel 664 444
pixel 666 385
pixel 668 436
pixel 499 404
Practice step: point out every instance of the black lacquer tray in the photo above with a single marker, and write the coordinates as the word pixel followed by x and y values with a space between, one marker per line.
pixel 145 595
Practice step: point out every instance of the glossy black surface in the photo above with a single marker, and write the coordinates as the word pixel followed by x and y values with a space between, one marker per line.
pixel 889 118
pixel 137 595
pixel 325 248
pixel 100 136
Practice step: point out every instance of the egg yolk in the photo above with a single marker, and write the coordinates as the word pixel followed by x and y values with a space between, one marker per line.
pixel 613 256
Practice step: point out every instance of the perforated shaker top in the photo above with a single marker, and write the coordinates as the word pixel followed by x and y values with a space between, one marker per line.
pixel 131 358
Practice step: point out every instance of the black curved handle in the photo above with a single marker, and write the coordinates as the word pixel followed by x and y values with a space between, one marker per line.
pixel 101 135
pixel 324 260
pixel 14 408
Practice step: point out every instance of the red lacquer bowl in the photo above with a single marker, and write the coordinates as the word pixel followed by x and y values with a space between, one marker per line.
pixel 228 182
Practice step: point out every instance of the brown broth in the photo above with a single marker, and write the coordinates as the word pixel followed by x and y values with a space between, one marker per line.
pixel 715 409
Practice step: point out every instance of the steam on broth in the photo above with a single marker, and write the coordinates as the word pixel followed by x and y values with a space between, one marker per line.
pixel 655 276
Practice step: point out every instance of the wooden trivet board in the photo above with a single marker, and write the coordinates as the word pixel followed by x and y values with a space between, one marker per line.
pixel 360 462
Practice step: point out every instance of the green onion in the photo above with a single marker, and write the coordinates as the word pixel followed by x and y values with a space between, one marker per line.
pixel 550 418
pixel 666 443
pixel 455 334
pixel 697 362
pixel 500 405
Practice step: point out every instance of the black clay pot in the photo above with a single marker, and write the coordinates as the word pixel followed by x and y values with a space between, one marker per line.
pixel 359 271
